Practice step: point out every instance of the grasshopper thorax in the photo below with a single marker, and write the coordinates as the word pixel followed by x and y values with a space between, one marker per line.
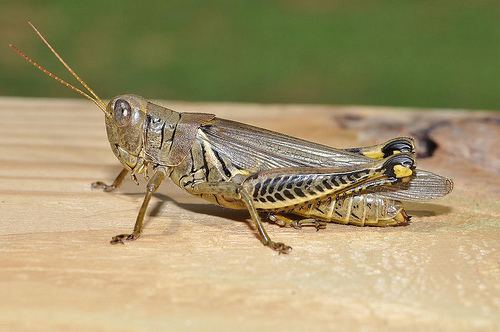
pixel 125 129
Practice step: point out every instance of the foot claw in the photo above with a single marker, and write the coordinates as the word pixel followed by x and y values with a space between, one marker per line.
pixel 320 225
pixel 124 237
pixel 278 221
pixel 298 224
pixel 103 186
pixel 280 247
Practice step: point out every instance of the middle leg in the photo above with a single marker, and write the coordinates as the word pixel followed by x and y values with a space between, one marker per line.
pixel 236 191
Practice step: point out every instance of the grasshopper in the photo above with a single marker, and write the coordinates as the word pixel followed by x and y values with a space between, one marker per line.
pixel 272 175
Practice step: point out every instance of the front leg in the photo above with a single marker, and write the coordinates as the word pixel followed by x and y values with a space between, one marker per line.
pixel 236 191
pixel 153 184
pixel 108 188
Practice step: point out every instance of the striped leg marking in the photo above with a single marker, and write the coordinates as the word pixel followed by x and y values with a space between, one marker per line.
pixel 280 188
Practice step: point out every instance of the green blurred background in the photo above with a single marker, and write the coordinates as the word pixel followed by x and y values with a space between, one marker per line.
pixel 403 53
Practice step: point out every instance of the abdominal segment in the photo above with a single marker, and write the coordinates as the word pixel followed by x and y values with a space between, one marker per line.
pixel 359 210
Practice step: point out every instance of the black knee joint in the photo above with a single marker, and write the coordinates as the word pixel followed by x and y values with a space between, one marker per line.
pixel 402 145
pixel 399 165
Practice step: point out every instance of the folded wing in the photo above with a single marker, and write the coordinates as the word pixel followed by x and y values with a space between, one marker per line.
pixel 256 149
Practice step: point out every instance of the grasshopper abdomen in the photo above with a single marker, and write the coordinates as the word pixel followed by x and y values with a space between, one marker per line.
pixel 360 210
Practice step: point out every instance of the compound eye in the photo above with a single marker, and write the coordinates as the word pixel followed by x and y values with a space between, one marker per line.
pixel 122 112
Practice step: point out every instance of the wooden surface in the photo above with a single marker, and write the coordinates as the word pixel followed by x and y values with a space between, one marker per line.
pixel 201 268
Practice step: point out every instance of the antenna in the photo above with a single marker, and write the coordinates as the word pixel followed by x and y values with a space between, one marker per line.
pixel 98 101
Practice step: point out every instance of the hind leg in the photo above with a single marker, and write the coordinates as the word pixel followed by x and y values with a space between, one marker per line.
pixel 284 221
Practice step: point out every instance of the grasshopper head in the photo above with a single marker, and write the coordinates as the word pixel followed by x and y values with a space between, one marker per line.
pixel 125 128
pixel 124 114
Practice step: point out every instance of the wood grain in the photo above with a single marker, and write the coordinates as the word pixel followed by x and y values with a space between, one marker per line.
pixel 201 268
